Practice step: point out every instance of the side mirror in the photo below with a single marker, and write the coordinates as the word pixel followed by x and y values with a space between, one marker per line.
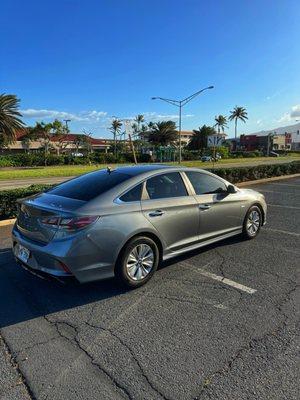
pixel 231 189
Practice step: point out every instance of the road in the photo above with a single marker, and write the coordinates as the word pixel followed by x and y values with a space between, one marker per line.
pixel 188 334
pixel 19 183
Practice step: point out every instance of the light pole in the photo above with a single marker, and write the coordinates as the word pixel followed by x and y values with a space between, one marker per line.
pixel 67 122
pixel 180 104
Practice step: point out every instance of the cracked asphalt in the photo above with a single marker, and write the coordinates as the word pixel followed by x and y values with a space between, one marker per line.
pixel 183 336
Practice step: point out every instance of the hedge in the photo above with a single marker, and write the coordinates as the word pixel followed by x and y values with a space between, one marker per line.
pixel 8 198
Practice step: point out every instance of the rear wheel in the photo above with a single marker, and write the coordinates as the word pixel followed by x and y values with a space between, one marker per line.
pixel 252 222
pixel 137 262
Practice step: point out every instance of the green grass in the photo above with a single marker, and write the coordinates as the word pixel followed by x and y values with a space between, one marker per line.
pixel 72 170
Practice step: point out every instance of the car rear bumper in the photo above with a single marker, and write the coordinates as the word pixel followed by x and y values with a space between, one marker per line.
pixel 64 258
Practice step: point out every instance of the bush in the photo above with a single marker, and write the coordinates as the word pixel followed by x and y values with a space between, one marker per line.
pixel 243 174
pixel 8 198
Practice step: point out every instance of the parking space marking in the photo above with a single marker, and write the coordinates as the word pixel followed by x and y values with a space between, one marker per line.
pixel 281 206
pixel 284 232
pixel 222 279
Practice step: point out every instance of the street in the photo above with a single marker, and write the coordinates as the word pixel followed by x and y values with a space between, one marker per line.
pixel 218 323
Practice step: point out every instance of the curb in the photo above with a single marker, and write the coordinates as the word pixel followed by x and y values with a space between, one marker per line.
pixel 7 222
pixel 266 180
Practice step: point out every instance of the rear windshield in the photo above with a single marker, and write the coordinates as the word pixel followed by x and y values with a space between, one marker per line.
pixel 89 186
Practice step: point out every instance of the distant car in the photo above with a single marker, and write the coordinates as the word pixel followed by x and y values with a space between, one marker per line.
pixel 211 158
pixel 77 154
pixel 273 154
pixel 206 158
pixel 124 222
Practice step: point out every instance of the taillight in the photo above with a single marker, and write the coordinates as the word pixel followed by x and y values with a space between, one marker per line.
pixel 69 224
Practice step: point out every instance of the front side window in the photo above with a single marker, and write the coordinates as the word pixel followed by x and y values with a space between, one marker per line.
pixel 133 194
pixel 166 186
pixel 206 184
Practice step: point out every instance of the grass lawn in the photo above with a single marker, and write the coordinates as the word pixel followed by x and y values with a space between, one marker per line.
pixel 72 170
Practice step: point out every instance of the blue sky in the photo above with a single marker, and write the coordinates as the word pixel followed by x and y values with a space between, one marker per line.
pixel 89 60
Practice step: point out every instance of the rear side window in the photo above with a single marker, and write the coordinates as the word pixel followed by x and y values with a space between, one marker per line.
pixel 133 194
pixel 87 187
pixel 165 186
pixel 205 184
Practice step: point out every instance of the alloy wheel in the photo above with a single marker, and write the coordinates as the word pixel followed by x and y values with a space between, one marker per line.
pixel 253 222
pixel 140 262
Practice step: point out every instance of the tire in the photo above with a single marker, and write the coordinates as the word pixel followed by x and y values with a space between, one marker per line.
pixel 252 222
pixel 137 262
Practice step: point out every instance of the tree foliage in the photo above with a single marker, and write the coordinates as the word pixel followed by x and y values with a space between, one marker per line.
pixel 221 123
pixel 199 139
pixel 163 133
pixel 10 120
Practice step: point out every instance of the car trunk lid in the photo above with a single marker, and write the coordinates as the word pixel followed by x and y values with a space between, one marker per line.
pixel 32 210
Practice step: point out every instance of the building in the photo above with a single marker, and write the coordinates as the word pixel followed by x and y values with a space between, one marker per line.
pixel 264 143
pixel 60 144
pixel 186 137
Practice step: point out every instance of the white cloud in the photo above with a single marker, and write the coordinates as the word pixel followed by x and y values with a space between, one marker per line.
pixel 87 116
pixel 259 122
pixel 295 111
pixel 292 115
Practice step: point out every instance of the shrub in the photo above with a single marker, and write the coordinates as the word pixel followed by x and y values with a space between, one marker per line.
pixel 8 198
pixel 243 174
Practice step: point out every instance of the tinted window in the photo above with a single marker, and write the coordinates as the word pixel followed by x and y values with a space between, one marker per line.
pixel 87 187
pixel 133 194
pixel 206 184
pixel 166 185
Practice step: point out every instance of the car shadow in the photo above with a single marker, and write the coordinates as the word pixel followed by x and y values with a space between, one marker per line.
pixel 24 296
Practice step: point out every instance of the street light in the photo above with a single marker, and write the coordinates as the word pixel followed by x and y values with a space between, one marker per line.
pixel 180 104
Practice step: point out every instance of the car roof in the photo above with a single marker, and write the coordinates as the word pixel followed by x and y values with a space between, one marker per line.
pixel 135 170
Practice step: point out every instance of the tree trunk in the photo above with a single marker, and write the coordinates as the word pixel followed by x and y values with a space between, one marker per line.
pixel 235 128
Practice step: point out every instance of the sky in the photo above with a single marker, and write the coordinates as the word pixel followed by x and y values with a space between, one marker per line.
pixel 90 60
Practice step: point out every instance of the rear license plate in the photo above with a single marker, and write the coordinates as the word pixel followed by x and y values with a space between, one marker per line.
pixel 22 253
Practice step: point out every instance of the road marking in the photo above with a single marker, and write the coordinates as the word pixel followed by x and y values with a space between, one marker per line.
pixel 279 205
pixel 222 279
pixel 227 281
pixel 280 231
pixel 286 184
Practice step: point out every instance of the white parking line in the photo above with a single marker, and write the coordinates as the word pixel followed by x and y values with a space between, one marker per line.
pixel 227 281
pixel 279 205
pixel 222 279
pixel 280 231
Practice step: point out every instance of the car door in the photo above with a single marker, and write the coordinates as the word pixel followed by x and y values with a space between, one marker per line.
pixel 171 210
pixel 220 212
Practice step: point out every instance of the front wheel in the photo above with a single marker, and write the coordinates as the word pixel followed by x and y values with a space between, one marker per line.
pixel 137 262
pixel 252 222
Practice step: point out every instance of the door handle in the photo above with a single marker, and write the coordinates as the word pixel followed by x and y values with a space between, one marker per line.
pixel 204 206
pixel 156 213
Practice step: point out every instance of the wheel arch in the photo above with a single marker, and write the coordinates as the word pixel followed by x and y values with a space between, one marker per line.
pixel 147 234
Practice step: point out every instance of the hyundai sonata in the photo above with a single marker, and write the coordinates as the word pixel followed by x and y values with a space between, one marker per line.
pixel 124 222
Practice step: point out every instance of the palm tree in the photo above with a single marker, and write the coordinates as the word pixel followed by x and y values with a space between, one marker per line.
pixel 236 114
pixel 115 129
pixel 9 117
pixel 221 123
pixel 199 139
pixel 139 119
pixel 163 133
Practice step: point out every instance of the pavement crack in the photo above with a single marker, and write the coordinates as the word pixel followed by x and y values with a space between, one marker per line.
pixel 124 344
pixel 75 341
pixel 15 366
pixel 251 345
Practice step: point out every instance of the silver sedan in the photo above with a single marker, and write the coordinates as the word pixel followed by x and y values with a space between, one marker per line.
pixel 124 222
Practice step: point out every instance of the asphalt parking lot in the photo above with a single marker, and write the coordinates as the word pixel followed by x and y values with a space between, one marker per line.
pixel 188 334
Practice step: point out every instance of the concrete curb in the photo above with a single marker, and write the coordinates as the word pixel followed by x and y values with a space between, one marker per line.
pixel 266 180
pixel 6 222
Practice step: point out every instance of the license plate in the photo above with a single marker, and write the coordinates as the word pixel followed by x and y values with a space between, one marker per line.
pixel 22 253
